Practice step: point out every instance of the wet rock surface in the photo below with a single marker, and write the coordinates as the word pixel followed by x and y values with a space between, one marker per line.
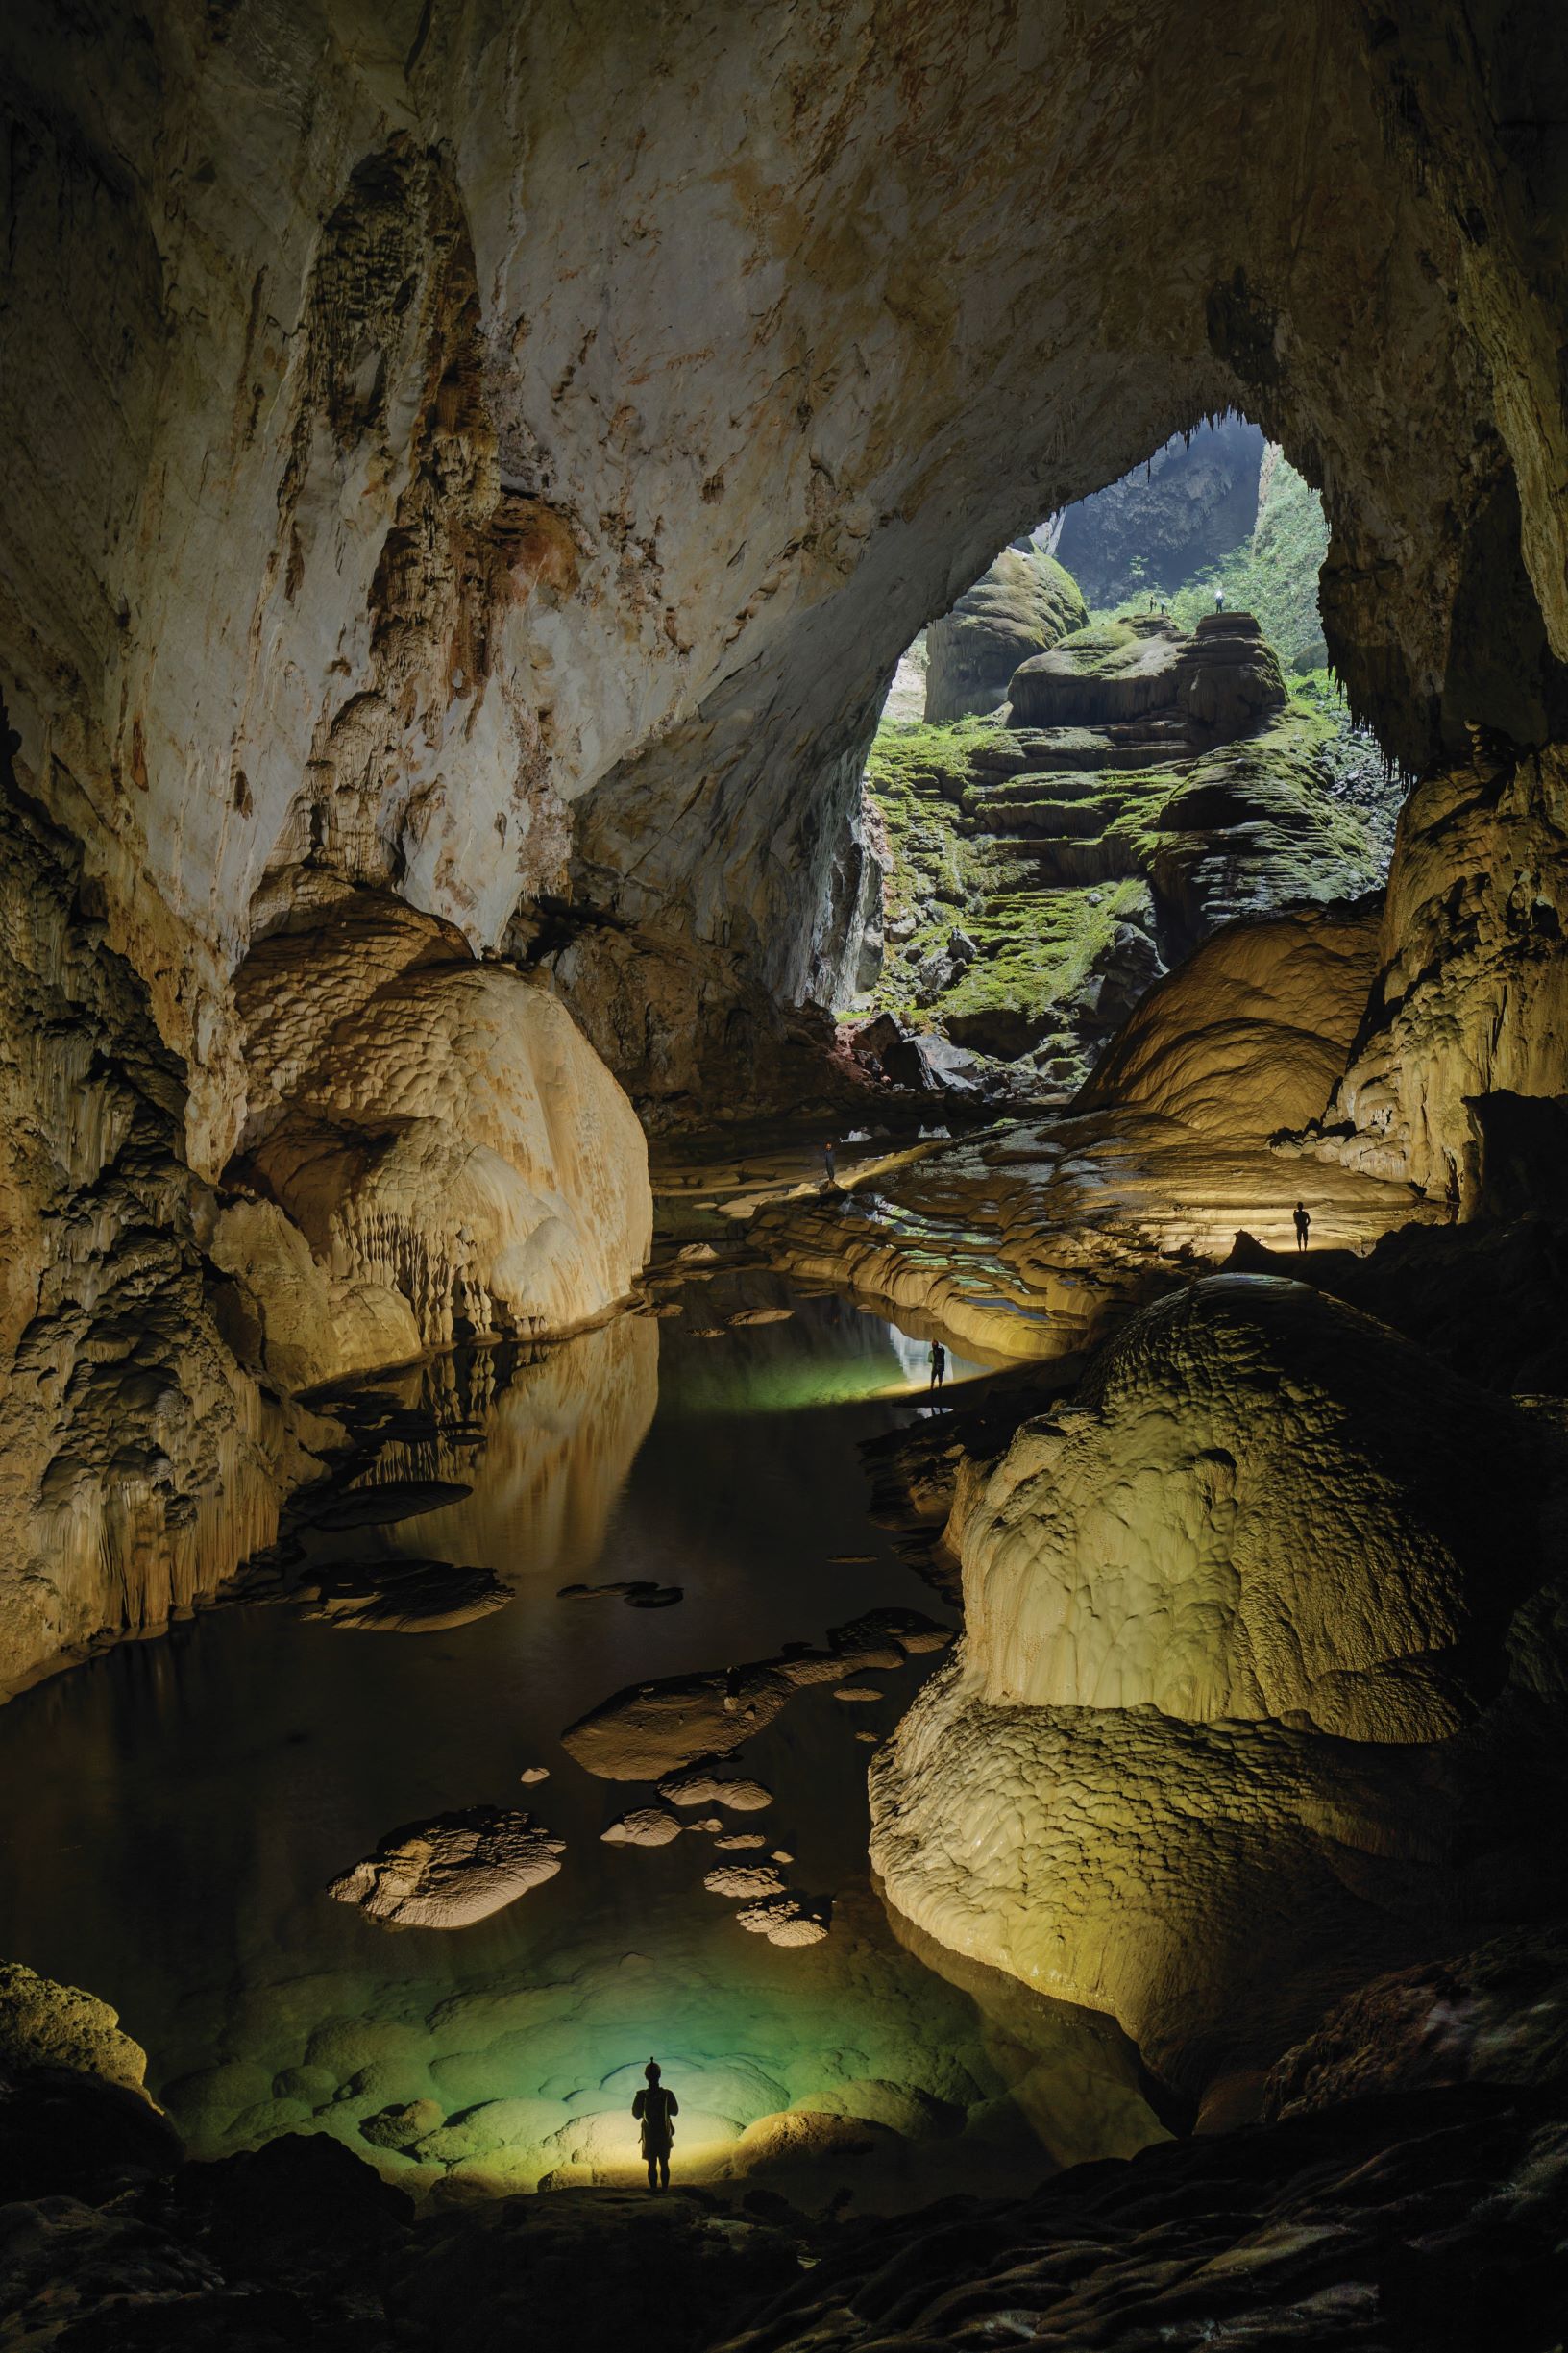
pixel 1054 1737
pixel 452 1870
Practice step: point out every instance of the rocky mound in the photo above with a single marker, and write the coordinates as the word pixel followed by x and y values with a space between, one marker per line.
pixel 1251 1632
pixel 1151 787
pixel 1251 1033
pixel 1021 607
pixel 452 1870
pixel 437 1129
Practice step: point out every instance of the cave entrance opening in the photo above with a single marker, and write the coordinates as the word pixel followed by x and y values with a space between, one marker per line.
pixel 1123 735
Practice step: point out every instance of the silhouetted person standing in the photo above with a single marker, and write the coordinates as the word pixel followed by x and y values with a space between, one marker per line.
pixel 1303 1224
pixel 656 2111
pixel 938 1363
pixel 1219 599
pixel 829 1164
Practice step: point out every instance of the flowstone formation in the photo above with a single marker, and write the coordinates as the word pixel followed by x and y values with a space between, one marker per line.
pixel 438 1130
pixel 1470 1006
pixel 1149 785
pixel 1260 1680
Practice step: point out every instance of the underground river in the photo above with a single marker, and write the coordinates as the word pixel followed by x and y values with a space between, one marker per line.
pixel 191 1798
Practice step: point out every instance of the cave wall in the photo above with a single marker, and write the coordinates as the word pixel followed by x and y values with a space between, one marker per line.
pixel 429 480
pixel 487 463
pixel 1194 501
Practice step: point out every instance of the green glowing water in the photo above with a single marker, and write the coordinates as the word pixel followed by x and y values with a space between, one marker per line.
pixel 179 1806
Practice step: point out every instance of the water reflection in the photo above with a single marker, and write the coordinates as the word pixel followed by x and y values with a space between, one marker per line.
pixel 179 1808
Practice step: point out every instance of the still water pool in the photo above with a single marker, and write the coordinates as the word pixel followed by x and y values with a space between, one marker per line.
pixel 177 1807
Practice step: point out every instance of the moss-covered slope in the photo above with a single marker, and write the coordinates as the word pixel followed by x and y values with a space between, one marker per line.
pixel 1039 879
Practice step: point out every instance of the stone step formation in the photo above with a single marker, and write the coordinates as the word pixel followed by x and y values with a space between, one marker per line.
pixel 1142 785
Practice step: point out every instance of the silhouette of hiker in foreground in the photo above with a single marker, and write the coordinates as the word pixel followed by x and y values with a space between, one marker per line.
pixel 656 2110
pixel 938 1363
pixel 829 1164
pixel 1302 1222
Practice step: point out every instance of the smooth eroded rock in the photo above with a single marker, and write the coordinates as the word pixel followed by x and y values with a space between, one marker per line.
pixel 452 1870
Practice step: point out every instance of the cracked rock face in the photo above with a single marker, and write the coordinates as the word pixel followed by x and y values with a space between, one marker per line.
pixel 1241 1714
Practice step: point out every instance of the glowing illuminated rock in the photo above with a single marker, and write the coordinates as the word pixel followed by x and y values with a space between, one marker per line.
pixel 863 1692
pixel 647 1826
pixel 1240 1630
pixel 741 1842
pixel 1263 1505
pixel 45 2024
pixel 452 1870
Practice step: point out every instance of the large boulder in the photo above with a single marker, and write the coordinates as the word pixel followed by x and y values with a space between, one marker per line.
pixel 1472 996
pixel 454 1153
pixel 1242 1715
pixel 1251 1033
pixel 452 1870
pixel 1100 676
pixel 1025 603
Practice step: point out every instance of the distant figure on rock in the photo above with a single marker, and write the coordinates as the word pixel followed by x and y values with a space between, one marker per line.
pixel 656 2111
pixel 732 1689
pixel 1303 1220
pixel 829 1164
pixel 939 1365
pixel 1219 597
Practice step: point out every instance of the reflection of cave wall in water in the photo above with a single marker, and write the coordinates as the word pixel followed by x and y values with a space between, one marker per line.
pixel 559 1438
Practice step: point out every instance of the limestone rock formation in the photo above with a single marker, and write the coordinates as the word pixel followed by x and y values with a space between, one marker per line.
pixel 1220 684
pixel 1021 607
pixel 45 2024
pixel 645 1825
pixel 1248 1642
pixel 1252 1032
pixel 367 556
pixel 1100 676
pixel 452 1870
pixel 438 1129
pixel 1041 878
pixel 141 1464
pixel 1498 2014
pixel 1194 501
pixel 1472 996
pixel 1259 1506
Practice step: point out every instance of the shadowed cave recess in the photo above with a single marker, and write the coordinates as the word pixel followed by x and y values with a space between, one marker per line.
pixel 709 711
